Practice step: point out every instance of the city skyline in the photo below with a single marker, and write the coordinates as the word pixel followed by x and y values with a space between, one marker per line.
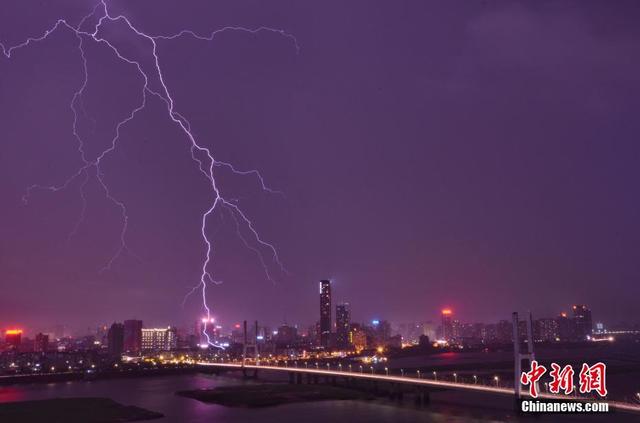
pixel 334 322
pixel 455 165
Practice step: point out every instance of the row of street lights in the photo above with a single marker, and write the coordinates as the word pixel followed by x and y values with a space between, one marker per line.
pixel 496 379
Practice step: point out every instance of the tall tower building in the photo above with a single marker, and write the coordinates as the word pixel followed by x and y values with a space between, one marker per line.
pixel 447 324
pixel 133 336
pixel 325 313
pixel 343 324
pixel 13 338
pixel 115 339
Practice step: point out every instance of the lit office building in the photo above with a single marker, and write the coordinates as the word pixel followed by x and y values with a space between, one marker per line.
pixel 343 324
pixel 447 324
pixel 159 339
pixel 13 338
pixel 325 313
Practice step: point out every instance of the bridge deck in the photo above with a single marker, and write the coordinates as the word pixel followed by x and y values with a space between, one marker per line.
pixel 409 380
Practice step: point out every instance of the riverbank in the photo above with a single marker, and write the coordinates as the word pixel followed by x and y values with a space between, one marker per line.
pixel 271 394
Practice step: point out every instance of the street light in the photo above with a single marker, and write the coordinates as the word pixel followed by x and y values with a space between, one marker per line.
pixel 455 378
pixel 349 368
pixel 475 379
pixel 435 375
pixel 317 365
pixel 371 369
pixel 360 369
pixel 386 370
pixel 497 379
pixel 418 371
pixel 402 372
pixel 328 368
pixel 340 366
pixel 306 365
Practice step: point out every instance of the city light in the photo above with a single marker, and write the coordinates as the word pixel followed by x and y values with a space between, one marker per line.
pixel 13 332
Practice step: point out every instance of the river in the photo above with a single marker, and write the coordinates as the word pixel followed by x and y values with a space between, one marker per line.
pixel 157 394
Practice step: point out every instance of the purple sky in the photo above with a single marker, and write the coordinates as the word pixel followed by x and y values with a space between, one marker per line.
pixel 479 155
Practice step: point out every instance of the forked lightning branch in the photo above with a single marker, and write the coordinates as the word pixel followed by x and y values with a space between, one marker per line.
pixel 91 29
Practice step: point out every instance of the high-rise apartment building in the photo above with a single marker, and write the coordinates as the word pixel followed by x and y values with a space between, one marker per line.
pixel 325 313
pixel 343 324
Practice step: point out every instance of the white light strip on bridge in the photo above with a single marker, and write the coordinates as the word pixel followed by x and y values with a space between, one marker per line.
pixel 416 381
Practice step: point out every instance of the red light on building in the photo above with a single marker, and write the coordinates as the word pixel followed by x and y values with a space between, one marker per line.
pixel 237 325
pixel 13 337
pixel 447 311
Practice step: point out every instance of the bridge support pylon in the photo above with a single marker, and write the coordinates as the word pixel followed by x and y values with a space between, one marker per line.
pixel 519 356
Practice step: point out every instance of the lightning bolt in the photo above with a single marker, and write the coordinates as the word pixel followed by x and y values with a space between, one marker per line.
pixel 201 155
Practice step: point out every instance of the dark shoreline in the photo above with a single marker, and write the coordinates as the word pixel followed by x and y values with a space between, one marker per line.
pixel 72 410
pixel 98 375
pixel 272 394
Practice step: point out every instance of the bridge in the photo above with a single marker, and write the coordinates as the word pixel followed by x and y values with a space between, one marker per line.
pixel 421 384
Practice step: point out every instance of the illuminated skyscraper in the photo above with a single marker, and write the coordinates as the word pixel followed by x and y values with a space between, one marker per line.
pixel 133 336
pixel 325 313
pixel 447 324
pixel 582 321
pixel 162 339
pixel 13 338
pixel 343 324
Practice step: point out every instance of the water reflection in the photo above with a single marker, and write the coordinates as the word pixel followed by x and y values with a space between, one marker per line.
pixel 157 394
